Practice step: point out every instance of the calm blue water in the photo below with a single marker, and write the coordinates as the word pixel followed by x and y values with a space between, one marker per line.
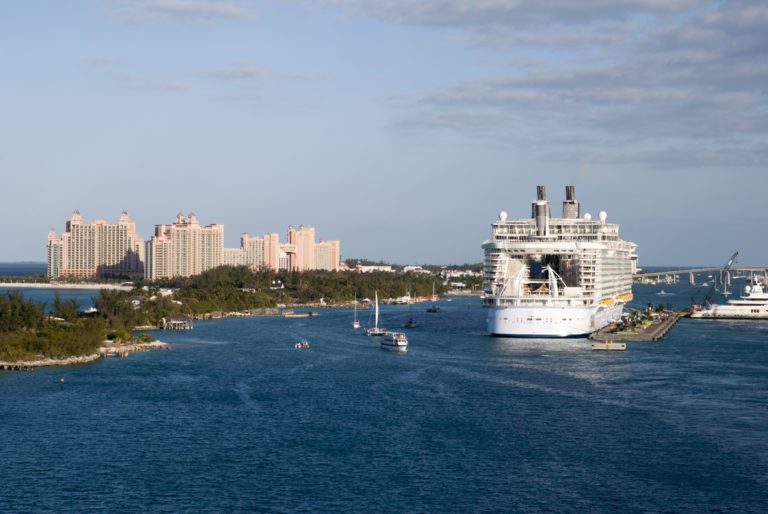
pixel 84 297
pixel 11 269
pixel 234 419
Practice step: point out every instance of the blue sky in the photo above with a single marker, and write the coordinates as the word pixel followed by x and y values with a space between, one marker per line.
pixel 400 127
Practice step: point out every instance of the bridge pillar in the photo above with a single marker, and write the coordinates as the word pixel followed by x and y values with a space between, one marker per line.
pixel 691 279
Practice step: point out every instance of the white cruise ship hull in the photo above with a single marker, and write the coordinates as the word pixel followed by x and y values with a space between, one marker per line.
pixel 551 322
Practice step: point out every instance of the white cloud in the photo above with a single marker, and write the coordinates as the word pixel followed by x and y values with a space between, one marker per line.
pixel 653 87
pixel 145 11
pixel 479 13
pixel 239 72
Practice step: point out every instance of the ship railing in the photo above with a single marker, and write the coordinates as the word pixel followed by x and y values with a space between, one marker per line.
pixel 540 299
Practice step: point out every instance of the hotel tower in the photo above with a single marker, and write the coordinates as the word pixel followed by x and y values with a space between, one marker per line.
pixel 96 249
pixel 184 248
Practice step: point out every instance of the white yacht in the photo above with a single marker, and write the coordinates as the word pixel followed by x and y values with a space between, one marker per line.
pixel 376 330
pixel 555 277
pixel 395 339
pixel 752 305
pixel 355 322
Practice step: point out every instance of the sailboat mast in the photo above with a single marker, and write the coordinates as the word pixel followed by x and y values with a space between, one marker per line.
pixel 376 310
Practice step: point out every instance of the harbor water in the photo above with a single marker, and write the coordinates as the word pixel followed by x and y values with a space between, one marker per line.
pixel 235 419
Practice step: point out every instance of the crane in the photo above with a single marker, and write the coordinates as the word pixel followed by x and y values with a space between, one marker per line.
pixel 726 269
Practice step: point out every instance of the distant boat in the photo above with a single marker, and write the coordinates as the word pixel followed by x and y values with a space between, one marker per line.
pixel 410 323
pixel 302 345
pixel 434 307
pixel 355 323
pixel 376 330
pixel 664 293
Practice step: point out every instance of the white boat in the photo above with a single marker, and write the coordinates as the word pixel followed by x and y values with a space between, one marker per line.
pixel 376 330
pixel 395 339
pixel 753 304
pixel 555 277
pixel 434 307
pixel 355 323
pixel 664 293
pixel 609 346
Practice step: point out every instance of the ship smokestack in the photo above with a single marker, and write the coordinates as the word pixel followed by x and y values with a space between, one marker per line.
pixel 571 208
pixel 541 212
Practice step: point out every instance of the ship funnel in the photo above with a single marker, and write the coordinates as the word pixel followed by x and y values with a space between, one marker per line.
pixel 571 209
pixel 541 212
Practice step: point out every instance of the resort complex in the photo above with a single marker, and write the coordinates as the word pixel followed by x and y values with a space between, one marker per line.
pixel 182 248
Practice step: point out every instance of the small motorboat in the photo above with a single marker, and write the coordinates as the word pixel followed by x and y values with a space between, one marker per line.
pixel 609 346
pixel 302 345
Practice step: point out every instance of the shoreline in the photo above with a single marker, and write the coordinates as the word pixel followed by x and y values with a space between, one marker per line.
pixel 44 363
pixel 119 350
pixel 55 285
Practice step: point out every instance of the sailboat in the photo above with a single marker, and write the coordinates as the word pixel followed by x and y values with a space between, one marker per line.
pixel 411 322
pixel 376 330
pixel 355 323
pixel 434 307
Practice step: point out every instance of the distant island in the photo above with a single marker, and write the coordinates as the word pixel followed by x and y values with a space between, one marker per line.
pixel 28 333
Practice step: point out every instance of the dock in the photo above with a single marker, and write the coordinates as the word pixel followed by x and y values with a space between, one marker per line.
pixel 655 331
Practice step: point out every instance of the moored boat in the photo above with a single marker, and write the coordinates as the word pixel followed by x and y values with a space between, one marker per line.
pixel 753 304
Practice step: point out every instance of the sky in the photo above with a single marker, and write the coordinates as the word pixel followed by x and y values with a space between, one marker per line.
pixel 400 127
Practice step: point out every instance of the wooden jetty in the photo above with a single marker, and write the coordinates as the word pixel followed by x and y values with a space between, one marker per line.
pixel 177 323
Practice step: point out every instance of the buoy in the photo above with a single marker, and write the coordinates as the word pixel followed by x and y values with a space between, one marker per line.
pixel 61 380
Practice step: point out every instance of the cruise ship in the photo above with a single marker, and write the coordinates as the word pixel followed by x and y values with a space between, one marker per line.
pixel 555 277
pixel 753 304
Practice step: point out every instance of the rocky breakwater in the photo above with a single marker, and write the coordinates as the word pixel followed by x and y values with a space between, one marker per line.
pixel 108 349
pixel 30 364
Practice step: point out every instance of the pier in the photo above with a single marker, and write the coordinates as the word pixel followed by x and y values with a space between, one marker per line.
pixel 654 331
pixel 177 323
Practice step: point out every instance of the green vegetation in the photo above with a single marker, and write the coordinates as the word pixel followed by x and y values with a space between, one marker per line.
pixel 24 278
pixel 26 333
pixel 216 289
